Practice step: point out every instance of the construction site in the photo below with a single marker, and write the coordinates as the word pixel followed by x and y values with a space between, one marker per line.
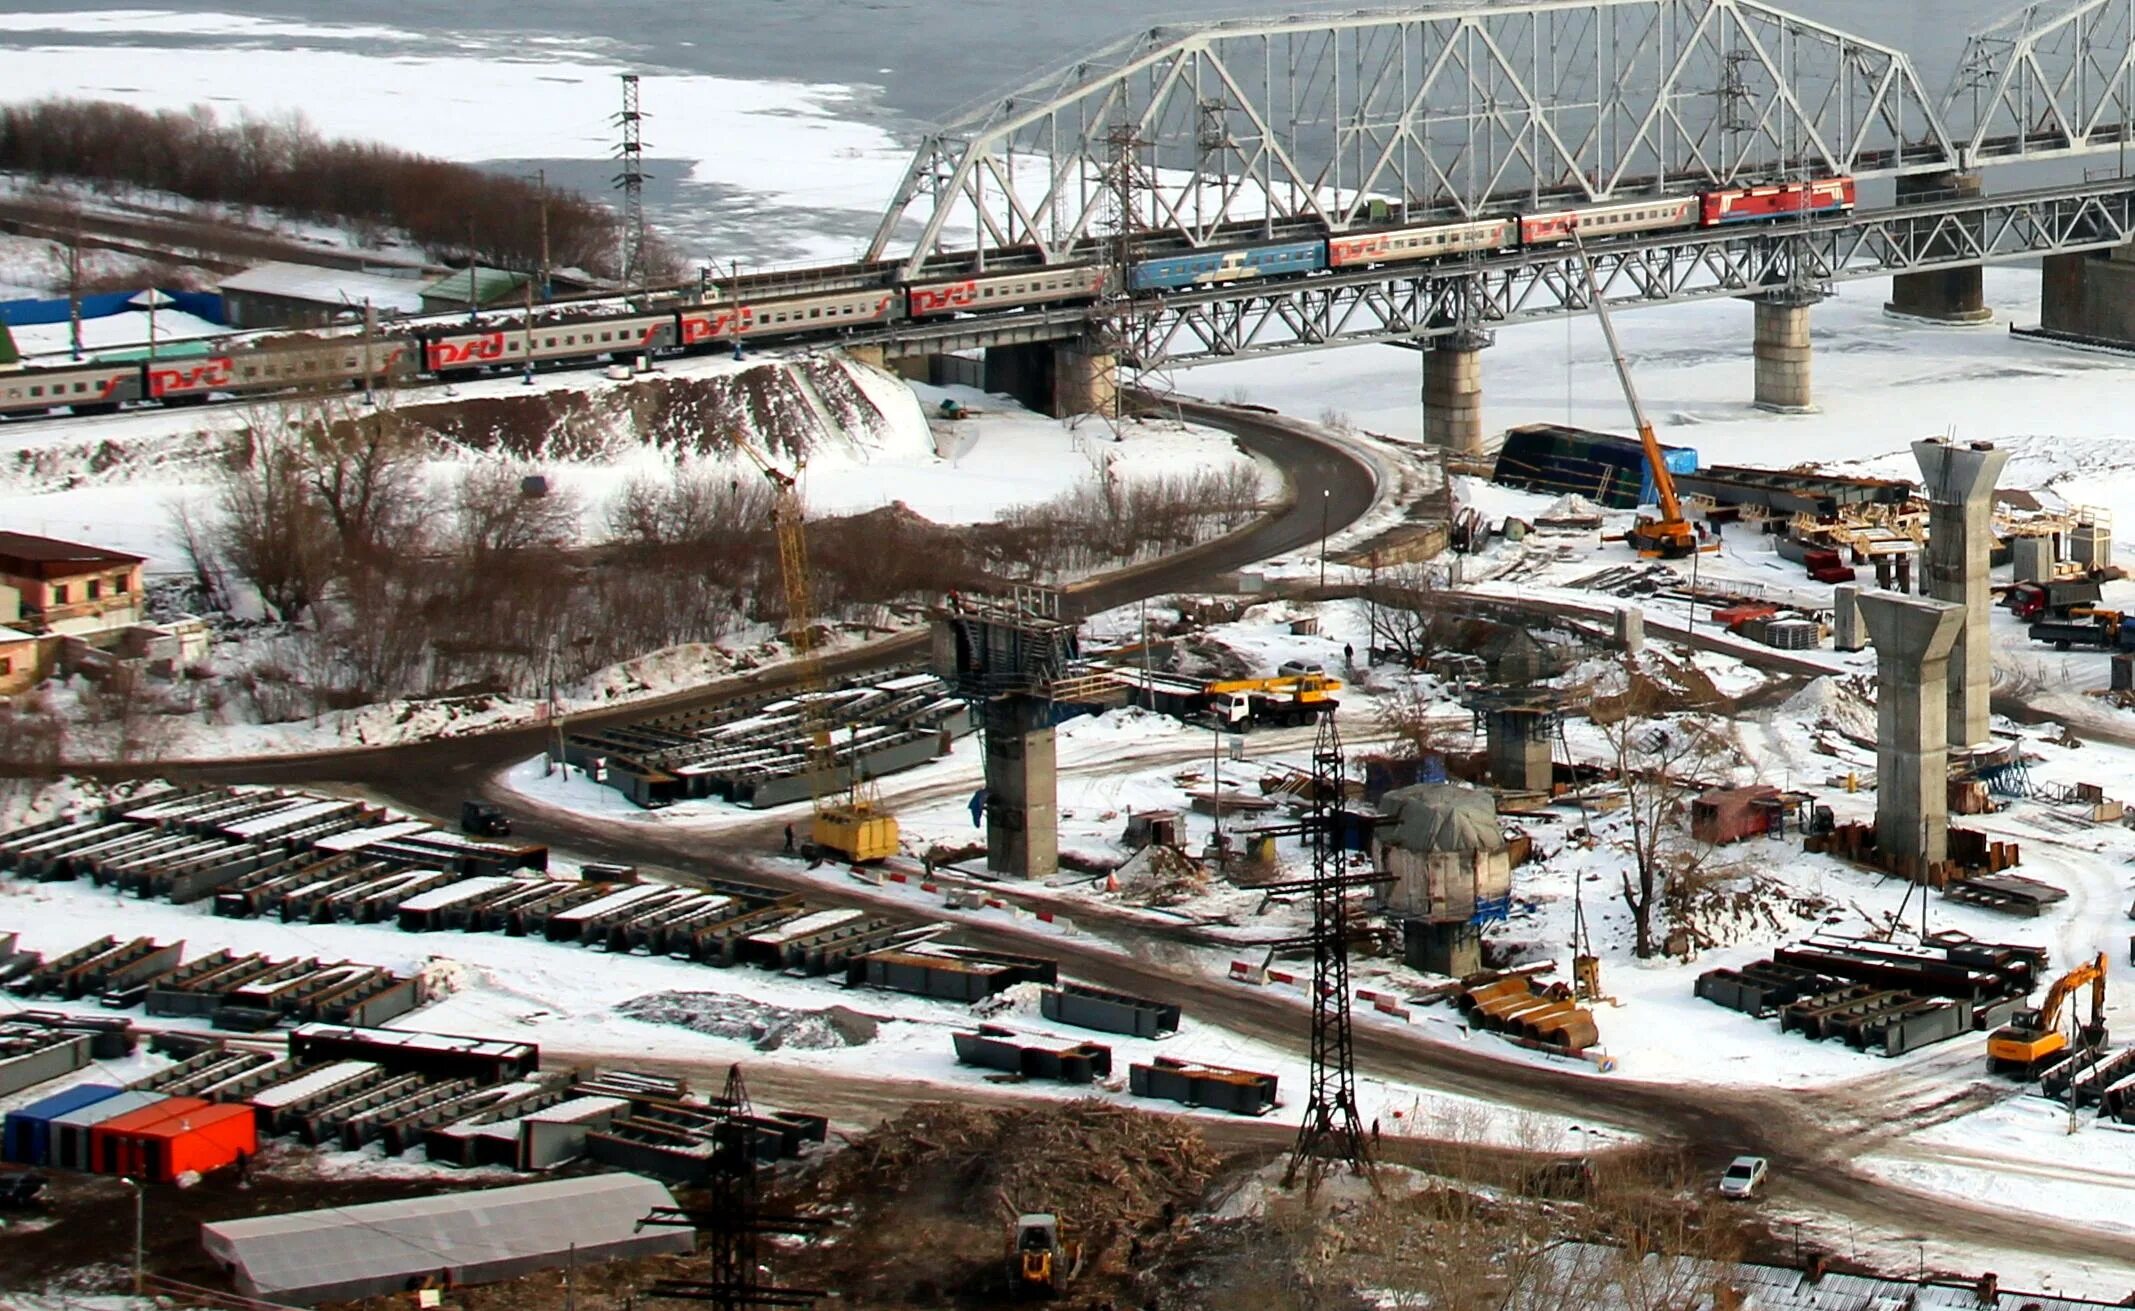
pixel 1059 837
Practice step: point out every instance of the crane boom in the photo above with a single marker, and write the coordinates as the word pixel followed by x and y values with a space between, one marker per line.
pixel 1671 534
pixel 855 828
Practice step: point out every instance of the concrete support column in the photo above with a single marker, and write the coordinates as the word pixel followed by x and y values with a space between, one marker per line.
pixel 1846 633
pixel 1912 639
pixel 1453 393
pixel 1085 381
pixel 1783 371
pixel 2031 559
pixel 1022 789
pixel 1517 747
pixel 1959 482
pixel 1949 295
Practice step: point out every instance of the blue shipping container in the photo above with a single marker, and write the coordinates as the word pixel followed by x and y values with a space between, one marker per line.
pixel 27 1134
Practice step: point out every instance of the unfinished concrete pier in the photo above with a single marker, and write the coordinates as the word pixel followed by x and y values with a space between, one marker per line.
pixel 1959 483
pixel 1913 640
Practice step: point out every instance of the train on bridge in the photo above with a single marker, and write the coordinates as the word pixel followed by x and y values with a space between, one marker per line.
pixel 456 350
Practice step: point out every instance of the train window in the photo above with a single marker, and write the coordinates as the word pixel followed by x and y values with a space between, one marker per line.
pixel 36 391
pixel 548 342
pixel 80 387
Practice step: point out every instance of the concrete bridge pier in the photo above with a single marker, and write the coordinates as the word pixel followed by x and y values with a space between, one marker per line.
pixel 1912 638
pixel 2090 294
pixel 1959 482
pixel 1062 379
pixel 1085 381
pixel 1950 295
pixel 1783 358
pixel 1453 392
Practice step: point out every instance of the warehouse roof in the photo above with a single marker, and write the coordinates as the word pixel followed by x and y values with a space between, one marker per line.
pixel 335 287
pixel 315 1256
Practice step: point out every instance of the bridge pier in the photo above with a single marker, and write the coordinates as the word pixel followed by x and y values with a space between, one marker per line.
pixel 1085 381
pixel 2090 295
pixel 1951 295
pixel 1453 392
pixel 1783 356
pixel 1063 379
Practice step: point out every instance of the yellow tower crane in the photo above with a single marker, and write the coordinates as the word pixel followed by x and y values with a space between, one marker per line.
pixel 853 825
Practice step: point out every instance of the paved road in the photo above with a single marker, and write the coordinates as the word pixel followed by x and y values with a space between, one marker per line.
pixel 1328 488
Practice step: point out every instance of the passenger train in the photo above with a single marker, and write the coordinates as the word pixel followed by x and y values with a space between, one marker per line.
pixel 284 363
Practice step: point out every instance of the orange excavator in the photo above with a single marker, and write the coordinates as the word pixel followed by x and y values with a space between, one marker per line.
pixel 1669 537
pixel 2033 1038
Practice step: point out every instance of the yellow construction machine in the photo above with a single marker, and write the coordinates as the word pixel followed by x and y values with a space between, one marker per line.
pixel 855 826
pixel 1669 537
pixel 1040 1262
pixel 2032 1038
pixel 1239 703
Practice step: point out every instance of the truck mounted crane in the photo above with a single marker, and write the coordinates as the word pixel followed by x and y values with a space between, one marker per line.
pixel 1670 537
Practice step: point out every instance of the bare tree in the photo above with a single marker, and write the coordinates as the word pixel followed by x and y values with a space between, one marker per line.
pixel 1662 760
pixel 366 471
pixel 270 531
pixel 495 516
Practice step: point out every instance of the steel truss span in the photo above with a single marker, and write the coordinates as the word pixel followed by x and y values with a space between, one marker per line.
pixel 1434 111
pixel 1388 305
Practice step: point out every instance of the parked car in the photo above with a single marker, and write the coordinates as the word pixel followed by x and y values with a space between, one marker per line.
pixel 1745 1175
pixel 1300 668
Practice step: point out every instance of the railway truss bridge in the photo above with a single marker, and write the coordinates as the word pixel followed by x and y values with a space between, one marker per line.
pixel 1209 138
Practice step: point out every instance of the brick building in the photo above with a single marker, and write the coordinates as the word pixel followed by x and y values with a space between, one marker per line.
pixel 65 587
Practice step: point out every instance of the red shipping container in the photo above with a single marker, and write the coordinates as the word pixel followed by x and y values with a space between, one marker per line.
pixel 110 1143
pixel 199 1141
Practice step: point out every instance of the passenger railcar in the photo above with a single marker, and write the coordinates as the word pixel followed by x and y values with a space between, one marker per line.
pixel 84 387
pixel 708 325
pixel 1232 264
pixel 1616 219
pixel 1040 286
pixel 1359 250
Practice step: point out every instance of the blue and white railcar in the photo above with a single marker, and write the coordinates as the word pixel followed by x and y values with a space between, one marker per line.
pixel 1235 264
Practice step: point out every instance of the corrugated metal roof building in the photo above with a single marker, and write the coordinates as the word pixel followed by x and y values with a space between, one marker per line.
pixel 306 296
pixel 354 1252
pixel 484 286
pixel 1610 1279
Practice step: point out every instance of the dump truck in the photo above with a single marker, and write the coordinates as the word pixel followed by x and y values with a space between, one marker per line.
pixel 2033 1038
pixel 1239 704
pixel 1040 1263
pixel 2052 600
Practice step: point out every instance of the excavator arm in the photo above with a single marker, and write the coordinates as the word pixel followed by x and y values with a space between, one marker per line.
pixel 2067 985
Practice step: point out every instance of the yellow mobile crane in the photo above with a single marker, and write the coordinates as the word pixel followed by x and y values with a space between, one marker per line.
pixel 1669 537
pixel 855 827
